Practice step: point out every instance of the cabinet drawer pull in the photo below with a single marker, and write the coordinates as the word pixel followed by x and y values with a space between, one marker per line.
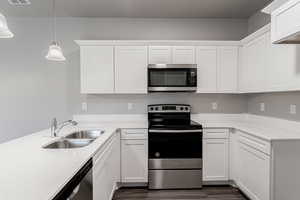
pixel 133 143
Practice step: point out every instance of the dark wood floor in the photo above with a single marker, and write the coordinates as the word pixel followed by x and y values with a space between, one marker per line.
pixel 207 193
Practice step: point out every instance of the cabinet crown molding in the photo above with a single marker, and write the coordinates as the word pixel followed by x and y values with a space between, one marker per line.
pixel 157 43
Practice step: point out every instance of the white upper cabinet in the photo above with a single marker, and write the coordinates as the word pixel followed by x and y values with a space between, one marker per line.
pixel 184 55
pixel 97 69
pixel 227 71
pixel 207 69
pixel 217 69
pixel 253 67
pixel 172 55
pixel 160 55
pixel 267 67
pixel 285 22
pixel 131 69
pixel 282 67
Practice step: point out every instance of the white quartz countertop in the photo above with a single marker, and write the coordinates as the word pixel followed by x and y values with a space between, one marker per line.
pixel 27 171
pixel 260 131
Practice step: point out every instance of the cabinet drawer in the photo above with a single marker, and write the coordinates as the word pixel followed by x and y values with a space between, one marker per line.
pixel 134 134
pixel 216 134
pixel 255 143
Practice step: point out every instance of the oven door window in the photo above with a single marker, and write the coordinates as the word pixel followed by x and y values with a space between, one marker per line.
pixel 172 77
pixel 175 145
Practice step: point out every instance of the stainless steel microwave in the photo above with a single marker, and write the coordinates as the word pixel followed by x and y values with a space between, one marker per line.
pixel 172 78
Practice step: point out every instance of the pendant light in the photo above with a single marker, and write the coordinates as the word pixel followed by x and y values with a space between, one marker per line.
pixel 55 52
pixel 4 30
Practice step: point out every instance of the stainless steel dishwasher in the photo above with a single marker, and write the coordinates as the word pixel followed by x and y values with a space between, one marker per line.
pixel 80 187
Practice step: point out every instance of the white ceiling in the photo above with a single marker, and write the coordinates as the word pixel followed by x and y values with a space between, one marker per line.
pixel 138 8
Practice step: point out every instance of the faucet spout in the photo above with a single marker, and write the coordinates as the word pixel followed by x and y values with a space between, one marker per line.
pixel 55 129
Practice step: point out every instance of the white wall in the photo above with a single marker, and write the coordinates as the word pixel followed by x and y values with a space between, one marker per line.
pixel 201 103
pixel 276 104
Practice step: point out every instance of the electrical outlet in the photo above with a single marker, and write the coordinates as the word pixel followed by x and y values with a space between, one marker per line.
pixel 262 107
pixel 293 109
pixel 84 106
pixel 214 106
pixel 130 106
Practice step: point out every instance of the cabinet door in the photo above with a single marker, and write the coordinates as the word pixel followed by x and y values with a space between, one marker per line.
pixel 286 22
pixel 101 178
pixel 160 55
pixel 97 69
pixel 254 65
pixel 134 167
pixel 254 172
pixel 207 69
pixel 227 73
pixel 131 69
pixel 215 159
pixel 114 164
pixel 184 55
pixel 106 169
pixel 282 67
pixel 233 155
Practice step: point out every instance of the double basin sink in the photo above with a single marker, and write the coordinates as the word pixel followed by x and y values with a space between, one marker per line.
pixel 75 140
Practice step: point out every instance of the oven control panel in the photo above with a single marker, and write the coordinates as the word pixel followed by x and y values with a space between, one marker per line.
pixel 169 108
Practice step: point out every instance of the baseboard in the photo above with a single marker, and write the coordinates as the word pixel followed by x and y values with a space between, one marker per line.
pixel 208 183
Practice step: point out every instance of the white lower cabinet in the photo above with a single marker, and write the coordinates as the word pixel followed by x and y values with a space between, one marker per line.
pixel 106 169
pixel 254 176
pixel 134 153
pixel 215 155
pixel 253 168
pixel 233 155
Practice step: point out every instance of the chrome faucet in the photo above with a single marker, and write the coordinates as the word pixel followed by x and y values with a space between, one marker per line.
pixel 55 128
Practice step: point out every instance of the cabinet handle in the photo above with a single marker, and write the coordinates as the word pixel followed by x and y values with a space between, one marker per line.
pixel 134 143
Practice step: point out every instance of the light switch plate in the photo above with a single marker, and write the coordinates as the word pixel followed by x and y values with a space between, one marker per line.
pixel 293 109
pixel 130 106
pixel 262 107
pixel 84 106
pixel 214 106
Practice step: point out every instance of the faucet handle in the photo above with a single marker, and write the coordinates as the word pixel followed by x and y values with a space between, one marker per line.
pixel 54 123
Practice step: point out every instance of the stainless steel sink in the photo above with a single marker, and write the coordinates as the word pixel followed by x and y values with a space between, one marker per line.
pixel 68 144
pixel 90 134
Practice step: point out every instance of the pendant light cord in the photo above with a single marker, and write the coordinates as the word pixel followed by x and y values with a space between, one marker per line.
pixel 54 20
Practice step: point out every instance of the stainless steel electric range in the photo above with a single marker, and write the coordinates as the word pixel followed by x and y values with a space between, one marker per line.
pixel 175 148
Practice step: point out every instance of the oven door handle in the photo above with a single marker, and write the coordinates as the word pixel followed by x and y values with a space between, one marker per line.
pixel 175 131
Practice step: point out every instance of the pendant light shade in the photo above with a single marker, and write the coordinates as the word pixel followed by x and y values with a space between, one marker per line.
pixel 4 31
pixel 55 53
